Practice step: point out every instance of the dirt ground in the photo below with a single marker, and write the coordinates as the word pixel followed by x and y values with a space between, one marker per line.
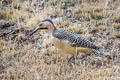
pixel 38 59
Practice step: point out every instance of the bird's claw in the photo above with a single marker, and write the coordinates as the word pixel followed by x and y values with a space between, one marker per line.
pixel 73 57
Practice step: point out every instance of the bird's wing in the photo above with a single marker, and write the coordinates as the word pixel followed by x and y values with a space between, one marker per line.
pixel 82 42
pixel 73 39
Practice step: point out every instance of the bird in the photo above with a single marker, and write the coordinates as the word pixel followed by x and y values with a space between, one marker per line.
pixel 68 41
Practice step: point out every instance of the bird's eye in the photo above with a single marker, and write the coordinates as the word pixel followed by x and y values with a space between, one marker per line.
pixel 41 24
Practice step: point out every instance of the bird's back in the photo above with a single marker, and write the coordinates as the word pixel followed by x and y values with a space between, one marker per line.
pixel 73 39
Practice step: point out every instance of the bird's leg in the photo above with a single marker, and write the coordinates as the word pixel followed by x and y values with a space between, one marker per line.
pixel 77 52
pixel 74 56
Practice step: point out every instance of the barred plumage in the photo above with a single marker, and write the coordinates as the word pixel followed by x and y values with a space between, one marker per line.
pixel 73 39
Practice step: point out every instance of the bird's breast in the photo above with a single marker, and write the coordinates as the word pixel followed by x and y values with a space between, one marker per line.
pixel 64 46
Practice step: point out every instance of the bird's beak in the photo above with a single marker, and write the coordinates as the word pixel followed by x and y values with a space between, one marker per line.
pixel 36 29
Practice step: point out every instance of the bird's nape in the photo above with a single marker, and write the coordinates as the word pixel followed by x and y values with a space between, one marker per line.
pixel 49 20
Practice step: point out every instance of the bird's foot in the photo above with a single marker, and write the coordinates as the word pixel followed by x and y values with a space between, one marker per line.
pixel 71 58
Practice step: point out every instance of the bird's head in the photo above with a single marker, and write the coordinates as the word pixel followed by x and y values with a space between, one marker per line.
pixel 45 24
pixel 48 23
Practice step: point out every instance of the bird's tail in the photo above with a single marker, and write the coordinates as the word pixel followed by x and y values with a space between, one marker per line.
pixel 101 52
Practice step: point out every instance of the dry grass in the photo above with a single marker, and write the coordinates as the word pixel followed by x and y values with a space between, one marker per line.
pixel 38 59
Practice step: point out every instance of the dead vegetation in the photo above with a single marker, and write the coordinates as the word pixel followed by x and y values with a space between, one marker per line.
pixel 37 59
